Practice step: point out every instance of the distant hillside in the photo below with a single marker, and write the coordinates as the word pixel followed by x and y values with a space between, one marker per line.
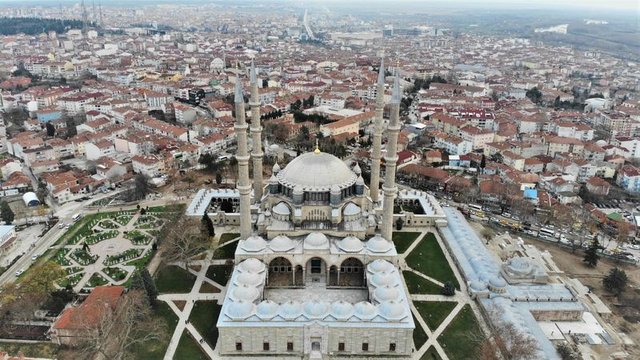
pixel 34 26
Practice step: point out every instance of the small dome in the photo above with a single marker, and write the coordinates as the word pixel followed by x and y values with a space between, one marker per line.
pixel 281 243
pixel 335 189
pixel 298 190
pixel 342 310
pixel 350 244
pixel 244 293
pixel 383 279
pixel 392 310
pixel 290 310
pixel 316 310
pixel 249 279
pixel 357 170
pixel 351 209
pixel 253 244
pixel 267 310
pixel 360 180
pixel 386 293
pixel 239 310
pixel 519 265
pixel 273 180
pixel 316 240
pixel 378 244
pixel 365 310
pixel 380 266
pixel 497 283
pixel 281 209
pixel 252 265
pixel 478 286
pixel 276 168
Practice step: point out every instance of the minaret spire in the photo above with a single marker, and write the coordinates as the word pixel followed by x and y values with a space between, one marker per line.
pixel 374 187
pixel 242 155
pixel 390 159
pixel 256 136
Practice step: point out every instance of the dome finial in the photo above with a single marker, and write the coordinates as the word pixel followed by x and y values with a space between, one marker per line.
pixel 317 150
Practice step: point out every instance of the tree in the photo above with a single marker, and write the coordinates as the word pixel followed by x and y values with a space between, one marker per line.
pixel 141 187
pixel 448 289
pixel 591 254
pixel 399 224
pixel 534 95
pixel 483 162
pixel 39 282
pixel 71 127
pixel 616 281
pixel 207 225
pixel 218 178
pixel 51 130
pixel 566 352
pixel 181 239
pixel 6 213
pixel 508 343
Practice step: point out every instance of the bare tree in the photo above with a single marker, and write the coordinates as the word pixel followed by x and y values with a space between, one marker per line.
pixel 507 342
pixel 182 239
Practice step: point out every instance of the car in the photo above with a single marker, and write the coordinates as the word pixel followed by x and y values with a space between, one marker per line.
pixel 61 225
pixel 35 256
pixel 19 272
pixel 67 226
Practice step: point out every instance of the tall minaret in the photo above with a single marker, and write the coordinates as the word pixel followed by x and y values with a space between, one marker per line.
pixel 374 187
pixel 243 185
pixel 256 136
pixel 390 159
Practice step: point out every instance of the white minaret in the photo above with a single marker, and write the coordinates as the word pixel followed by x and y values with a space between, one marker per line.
pixel 256 136
pixel 390 159
pixel 243 185
pixel 374 187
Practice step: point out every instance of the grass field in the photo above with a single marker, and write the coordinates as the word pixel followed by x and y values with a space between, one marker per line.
pixel 226 237
pixel 226 251
pixel 174 279
pixel 434 312
pixel 457 340
pixel 419 335
pixel 188 349
pixel 204 317
pixel 419 285
pixel 429 259
pixel 36 350
pixel 156 349
pixel 402 240
pixel 431 354
pixel 220 273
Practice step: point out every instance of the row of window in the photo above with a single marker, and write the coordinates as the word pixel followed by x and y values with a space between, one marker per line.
pixel 341 346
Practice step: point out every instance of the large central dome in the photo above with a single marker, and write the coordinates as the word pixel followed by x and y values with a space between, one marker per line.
pixel 317 171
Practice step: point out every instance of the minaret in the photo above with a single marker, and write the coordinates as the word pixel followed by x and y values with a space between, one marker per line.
pixel 256 136
pixel 374 187
pixel 390 159
pixel 242 155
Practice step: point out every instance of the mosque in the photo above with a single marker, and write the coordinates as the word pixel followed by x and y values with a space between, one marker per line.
pixel 316 273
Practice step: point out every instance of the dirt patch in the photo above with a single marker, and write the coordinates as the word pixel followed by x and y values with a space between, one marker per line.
pixel 195 268
pixel 180 304
pixel 207 288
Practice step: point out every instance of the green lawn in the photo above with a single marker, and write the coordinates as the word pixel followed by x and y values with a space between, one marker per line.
pixel 204 318
pixel 434 312
pixel 456 340
pixel 226 251
pixel 37 350
pixel 431 354
pixel 419 285
pixel 220 273
pixel 429 259
pixel 156 349
pixel 226 237
pixel 402 240
pixel 419 335
pixel 188 349
pixel 174 279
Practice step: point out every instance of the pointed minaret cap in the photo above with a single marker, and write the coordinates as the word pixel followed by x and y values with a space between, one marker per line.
pixel 252 74
pixel 381 72
pixel 239 98
pixel 396 95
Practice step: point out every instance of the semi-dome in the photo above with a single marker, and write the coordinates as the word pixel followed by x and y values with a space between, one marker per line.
pixel 244 293
pixel 281 243
pixel 247 278
pixel 351 209
pixel 239 310
pixel 316 240
pixel 350 244
pixel 267 310
pixel 316 310
pixel 365 310
pixel 380 266
pixel 281 209
pixel 316 171
pixel 386 293
pixel 341 310
pixel 392 310
pixel 378 244
pixel 253 244
pixel 290 310
pixel 252 265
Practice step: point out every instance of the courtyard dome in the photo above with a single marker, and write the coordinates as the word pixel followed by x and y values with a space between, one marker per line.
pixel 379 266
pixel 378 244
pixel 239 310
pixel 250 279
pixel 382 279
pixel 254 244
pixel 267 310
pixel 281 243
pixel 316 240
pixel 316 310
pixel 290 310
pixel 386 293
pixel 341 310
pixel 365 310
pixel 244 293
pixel 252 265
pixel 316 171
pixel 281 209
pixel 392 310
pixel 350 244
